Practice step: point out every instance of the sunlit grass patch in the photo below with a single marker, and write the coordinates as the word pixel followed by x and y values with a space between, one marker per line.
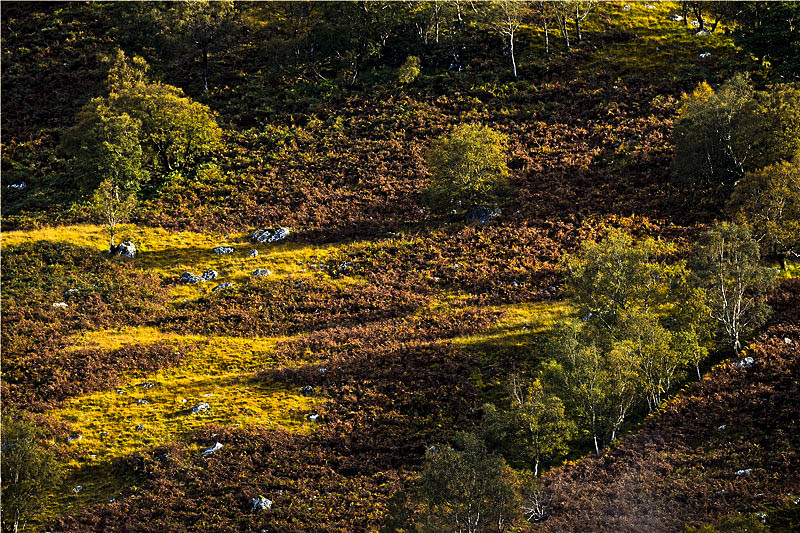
pixel 518 325
pixel 792 270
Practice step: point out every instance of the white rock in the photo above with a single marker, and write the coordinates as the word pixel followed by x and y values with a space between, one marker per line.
pixel 744 472
pixel 60 304
pixel 212 449
pixel 271 235
pixel 223 286
pixel 200 408
pixel 313 417
pixel 260 504
pixel 705 55
pixel 18 186
pixel 260 272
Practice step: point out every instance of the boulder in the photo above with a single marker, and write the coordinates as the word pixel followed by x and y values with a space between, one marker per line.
pixel 75 437
pixel 69 293
pixel 125 249
pixel 208 275
pixel 188 278
pixel 308 390
pixel 675 18
pixel 483 214
pixel 270 235
pixel 18 186
pixel 77 488
pixel 140 427
pixel 254 253
pixel 212 449
pixel 200 408
pixel 787 340
pixel 626 7
pixel 223 250
pixel 223 286
pixel 259 272
pixel 745 362
pixel 313 417
pixel 744 472
pixel 60 304
pixel 260 504
pixel 704 55
pixel 704 32
pixel 141 401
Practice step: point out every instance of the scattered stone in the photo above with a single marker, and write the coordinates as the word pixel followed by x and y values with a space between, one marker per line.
pixel 313 417
pixel 60 304
pixel 119 391
pixel 259 272
pixel 271 235
pixel 344 267
pixel 762 517
pixel 747 362
pixel 323 370
pixel 212 449
pixel 649 6
pixel 483 214
pixel 704 32
pixel 675 18
pixel 720 492
pixel 147 385
pixel 125 249
pixel 456 266
pixel 208 395
pixel 104 433
pixel 705 55
pixel 797 501
pixel 77 488
pixel 436 279
pixel 787 340
pixel 69 293
pixel 223 286
pixel 253 253
pixel 744 472
pixel 223 250
pixel 18 186
pixel 260 504
pixel 208 275
pixel 308 390
pixel 140 427
pixel 188 277
pixel 112 500
pixel 626 7
pixel 141 401
pixel 722 427
pixel 74 437
pixel 162 458
pixel 200 408
pixel 694 24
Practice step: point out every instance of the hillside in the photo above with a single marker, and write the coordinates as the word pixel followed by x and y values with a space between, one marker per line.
pixel 321 369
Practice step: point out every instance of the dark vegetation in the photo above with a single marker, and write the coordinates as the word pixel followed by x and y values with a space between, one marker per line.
pixel 609 143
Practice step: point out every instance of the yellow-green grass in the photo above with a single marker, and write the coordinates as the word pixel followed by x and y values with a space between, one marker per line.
pixel 169 254
pixel 792 270
pixel 518 325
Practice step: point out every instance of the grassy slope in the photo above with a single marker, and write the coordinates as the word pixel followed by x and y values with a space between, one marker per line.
pixel 336 166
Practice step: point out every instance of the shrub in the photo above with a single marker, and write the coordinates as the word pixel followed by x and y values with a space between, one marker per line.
pixel 409 70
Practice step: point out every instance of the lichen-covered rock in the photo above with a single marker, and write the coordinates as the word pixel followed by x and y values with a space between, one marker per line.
pixel 125 249
pixel 222 286
pixel 308 390
pixel 254 253
pixel 746 362
pixel 208 451
pixel 208 275
pixel 271 235
pixel 188 277
pixel 259 272
pixel 200 408
pixel 223 250
pixel 260 504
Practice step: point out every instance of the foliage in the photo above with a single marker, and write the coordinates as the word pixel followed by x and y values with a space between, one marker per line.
pixel 409 70
pixel 768 201
pixel 466 488
pixel 727 264
pixel 30 470
pixel 113 205
pixel 468 168
pixel 721 135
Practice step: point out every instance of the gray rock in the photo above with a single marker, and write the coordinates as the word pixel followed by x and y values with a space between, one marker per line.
pixel 212 449
pixel 271 235
pixel 308 390
pixel 104 433
pixel 259 272
pixel 60 304
pixel 253 253
pixel 260 504
pixel 75 437
pixel 69 293
pixel 77 488
pixel 140 427
pixel 141 401
pixel 223 250
pixel 223 286
pixel 722 427
pixel 344 267
pixel 626 7
pixel 746 362
pixel 704 55
pixel 787 340
pixel 119 391
pixel 18 186
pixel 125 249
pixel 200 408
pixel 483 214
pixel 694 24
pixel 208 275
pixel 313 417
pixel 704 32
pixel 147 384
pixel 675 18
pixel 744 472
pixel 189 278
pixel 762 517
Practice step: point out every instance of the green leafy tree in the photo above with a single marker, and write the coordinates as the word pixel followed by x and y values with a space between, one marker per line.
pixel 29 471
pixel 768 201
pixel 113 204
pixel 468 168
pixel 465 488
pixel 174 132
pixel 409 70
pixel 727 264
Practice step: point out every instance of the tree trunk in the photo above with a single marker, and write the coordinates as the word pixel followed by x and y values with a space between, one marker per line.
pixel 536 468
pixel 546 39
pixel 513 60
pixel 699 377
pixel 596 447
pixel 205 68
